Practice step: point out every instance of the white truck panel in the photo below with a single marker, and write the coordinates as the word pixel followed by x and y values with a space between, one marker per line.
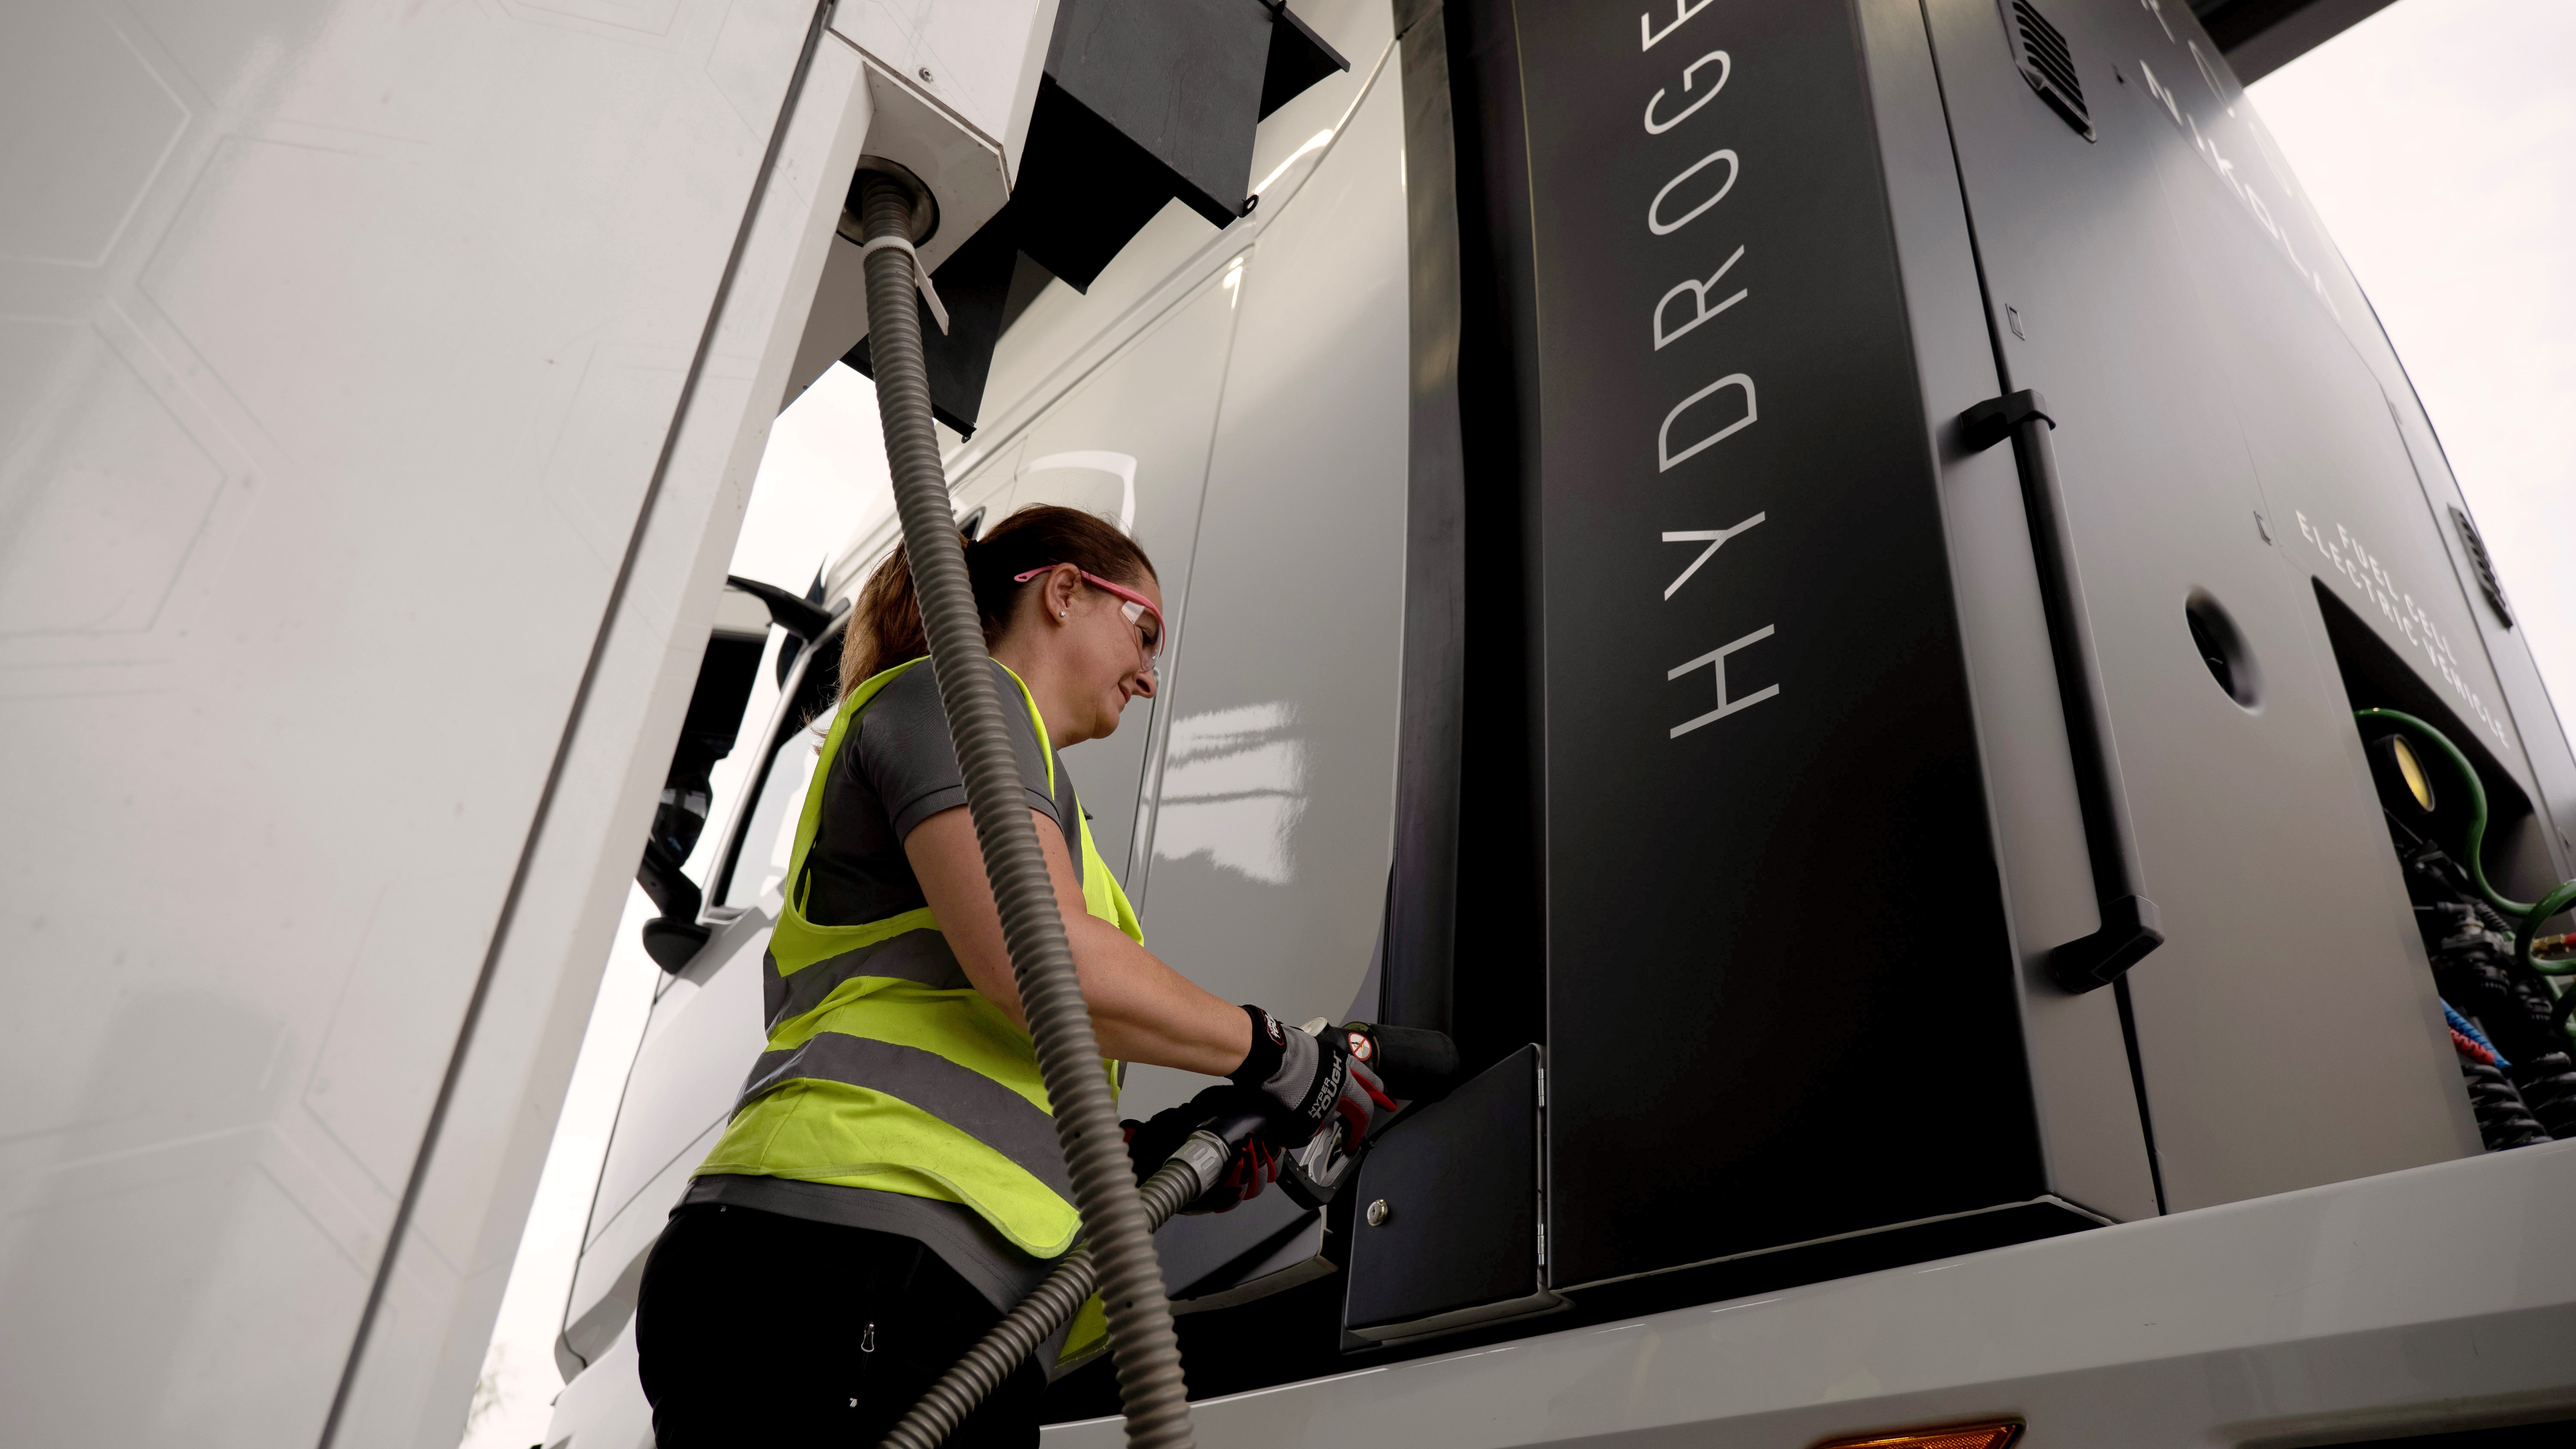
pixel 420 1364
pixel 1133 439
pixel 698 1045
pixel 1266 851
pixel 696 1051
pixel 611 1273
pixel 344 346
pixel 607 1404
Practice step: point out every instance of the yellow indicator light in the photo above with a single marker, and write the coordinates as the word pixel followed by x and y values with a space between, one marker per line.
pixel 1992 1434
pixel 2413 770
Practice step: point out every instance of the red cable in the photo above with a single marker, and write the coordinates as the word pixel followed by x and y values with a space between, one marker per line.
pixel 2472 1050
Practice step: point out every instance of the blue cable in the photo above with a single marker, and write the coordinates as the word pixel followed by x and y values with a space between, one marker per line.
pixel 2469 1029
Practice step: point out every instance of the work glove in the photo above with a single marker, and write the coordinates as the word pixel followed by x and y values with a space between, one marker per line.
pixel 1304 1083
pixel 1253 1165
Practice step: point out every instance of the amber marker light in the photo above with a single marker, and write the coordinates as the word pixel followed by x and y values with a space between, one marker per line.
pixel 1992 1434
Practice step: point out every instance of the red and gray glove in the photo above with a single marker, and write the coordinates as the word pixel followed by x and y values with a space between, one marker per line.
pixel 1254 1165
pixel 1303 1083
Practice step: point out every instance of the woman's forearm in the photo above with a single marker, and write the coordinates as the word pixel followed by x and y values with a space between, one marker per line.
pixel 1147 1012
pixel 1143 1010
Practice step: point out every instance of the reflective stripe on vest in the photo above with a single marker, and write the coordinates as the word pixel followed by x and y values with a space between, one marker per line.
pixel 959 1096
pixel 886 1069
pixel 919 955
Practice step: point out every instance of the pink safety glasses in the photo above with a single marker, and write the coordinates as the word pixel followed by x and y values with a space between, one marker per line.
pixel 1132 607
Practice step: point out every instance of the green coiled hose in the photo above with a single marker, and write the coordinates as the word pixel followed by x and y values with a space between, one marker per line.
pixel 2527 914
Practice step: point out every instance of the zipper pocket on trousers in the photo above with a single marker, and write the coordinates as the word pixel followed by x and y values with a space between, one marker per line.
pixel 867 1345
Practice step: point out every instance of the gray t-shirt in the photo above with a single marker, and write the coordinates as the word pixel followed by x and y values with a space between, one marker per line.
pixel 897 767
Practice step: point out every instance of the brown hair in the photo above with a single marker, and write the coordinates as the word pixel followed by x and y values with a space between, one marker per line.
pixel 885 622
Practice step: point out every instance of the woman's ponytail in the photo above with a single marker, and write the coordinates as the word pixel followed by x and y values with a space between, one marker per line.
pixel 885 619
pixel 885 623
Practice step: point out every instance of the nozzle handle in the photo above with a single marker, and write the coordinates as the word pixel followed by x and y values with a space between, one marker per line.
pixel 1234 1128
pixel 1414 1063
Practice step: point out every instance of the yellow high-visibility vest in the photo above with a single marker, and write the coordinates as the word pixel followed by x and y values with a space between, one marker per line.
pixel 886 1069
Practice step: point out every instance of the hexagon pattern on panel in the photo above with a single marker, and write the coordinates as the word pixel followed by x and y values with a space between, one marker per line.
pixel 363 261
pixel 35 357
pixel 100 503
pixel 110 1257
pixel 229 49
pixel 84 126
pixel 741 66
pixel 603 457
pixel 652 17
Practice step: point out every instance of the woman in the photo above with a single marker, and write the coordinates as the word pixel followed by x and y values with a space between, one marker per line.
pixel 890 1183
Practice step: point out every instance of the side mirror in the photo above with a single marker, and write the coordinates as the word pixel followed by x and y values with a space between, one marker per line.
pixel 725 677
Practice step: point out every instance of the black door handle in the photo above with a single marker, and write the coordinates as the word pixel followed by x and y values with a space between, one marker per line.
pixel 2130 927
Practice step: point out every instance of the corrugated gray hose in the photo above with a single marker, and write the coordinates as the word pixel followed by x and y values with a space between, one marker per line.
pixel 1147 1353
pixel 1051 1305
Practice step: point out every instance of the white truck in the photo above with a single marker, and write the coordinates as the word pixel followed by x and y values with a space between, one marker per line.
pixel 1604 631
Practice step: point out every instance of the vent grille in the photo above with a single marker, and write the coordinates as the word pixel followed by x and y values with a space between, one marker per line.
pixel 2049 65
pixel 2484 566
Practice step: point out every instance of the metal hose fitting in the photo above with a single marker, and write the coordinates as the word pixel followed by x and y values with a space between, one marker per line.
pixel 1050 1306
pixel 1147 1353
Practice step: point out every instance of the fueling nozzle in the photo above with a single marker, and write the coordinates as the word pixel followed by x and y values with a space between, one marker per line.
pixel 1416 1065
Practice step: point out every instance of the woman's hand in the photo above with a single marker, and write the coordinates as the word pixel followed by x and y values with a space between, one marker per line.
pixel 1143 1010
pixel 1303 1082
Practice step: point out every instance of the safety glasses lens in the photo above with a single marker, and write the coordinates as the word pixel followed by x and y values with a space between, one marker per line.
pixel 1151 632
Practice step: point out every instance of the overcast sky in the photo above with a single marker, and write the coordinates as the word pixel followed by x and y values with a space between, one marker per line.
pixel 2437 139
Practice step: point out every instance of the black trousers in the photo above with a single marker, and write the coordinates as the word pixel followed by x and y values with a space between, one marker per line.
pixel 757 1328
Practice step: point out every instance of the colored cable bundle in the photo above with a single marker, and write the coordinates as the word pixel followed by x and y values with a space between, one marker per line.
pixel 2511 1037
pixel 2472 961
pixel 2504 1119
pixel 2470 1040
pixel 2500 1024
pixel 2525 915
